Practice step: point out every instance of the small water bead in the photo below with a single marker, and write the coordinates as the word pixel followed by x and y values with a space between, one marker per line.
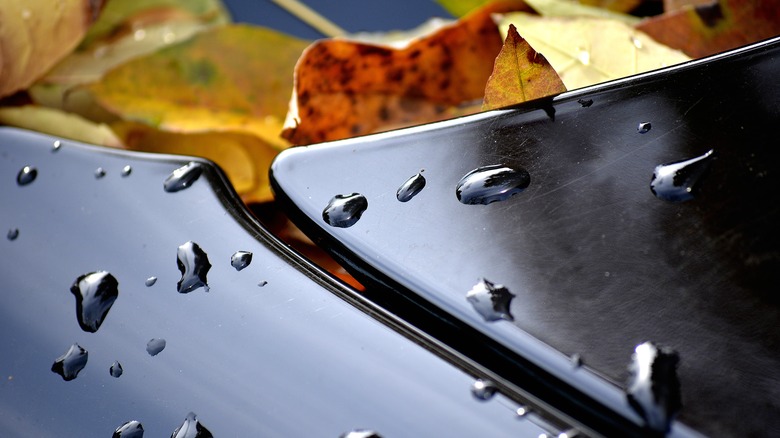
pixel 182 177
pixel 571 433
pixel 410 188
pixel 522 411
pixel 127 170
pixel 95 294
pixel 585 102
pixel 13 233
pixel 155 346
pixel 241 259
pixel 360 433
pixel 262 283
pixel 194 266
pixel 491 300
pixel 100 172
pixel 677 181
pixel 26 175
pixel 150 281
pixel 131 429
pixel 191 428
pixel 491 183
pixel 644 127
pixel 653 388
pixel 483 389
pixel 576 360
pixel 55 147
pixel 343 211
pixel 116 369
pixel 69 364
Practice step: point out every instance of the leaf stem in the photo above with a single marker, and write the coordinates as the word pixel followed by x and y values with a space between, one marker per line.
pixel 311 17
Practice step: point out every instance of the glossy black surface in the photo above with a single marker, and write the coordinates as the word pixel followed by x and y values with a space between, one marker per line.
pixel 598 263
pixel 298 357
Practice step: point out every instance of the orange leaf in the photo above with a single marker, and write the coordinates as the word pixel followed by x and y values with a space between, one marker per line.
pixel 345 88
pixel 706 30
pixel 520 74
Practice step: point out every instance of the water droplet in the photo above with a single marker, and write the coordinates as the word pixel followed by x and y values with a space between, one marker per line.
pixel 26 175
pixel 139 34
pixel 585 102
pixel 182 177
pixel 583 56
pixel 69 364
pixel 95 294
pixel 116 369
pixel 360 433
pixel 169 37
pixel 643 127
pixel 653 387
pixel 571 433
pixel 343 211
pixel 262 283
pixel 491 300
pixel 522 411
pixel 194 265
pixel 100 172
pixel 241 259
pixel 131 429
pixel 677 181
pixel 410 188
pixel 55 147
pixel 150 281
pixel 13 233
pixel 127 170
pixel 483 389
pixel 155 346
pixel 491 183
pixel 576 360
pixel 191 428
pixel 636 42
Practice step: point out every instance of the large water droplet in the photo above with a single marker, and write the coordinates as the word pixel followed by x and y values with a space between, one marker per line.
pixel 131 429
pixel 644 127
pixel 182 177
pixel 343 211
pixel 360 433
pixel 100 172
pixel 653 387
pixel 491 183
pixel 127 170
pixel 69 364
pixel 13 233
pixel 26 175
pixel 191 428
pixel 676 182
pixel 116 369
pixel 150 281
pixel 95 294
pixel 410 188
pixel 155 346
pixel 241 259
pixel 483 389
pixel 491 300
pixel 194 265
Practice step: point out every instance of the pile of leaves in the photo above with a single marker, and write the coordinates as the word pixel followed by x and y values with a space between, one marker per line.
pixel 176 76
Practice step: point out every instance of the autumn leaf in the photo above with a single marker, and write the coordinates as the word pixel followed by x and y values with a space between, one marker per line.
pixel 345 88
pixel 570 8
pixel 519 74
pixel 59 123
pixel 586 51
pixel 35 34
pixel 705 30
pixel 614 5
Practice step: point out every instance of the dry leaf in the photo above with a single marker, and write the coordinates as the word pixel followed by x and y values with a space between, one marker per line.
pixel 345 88
pixel 571 8
pixel 705 30
pixel 676 5
pixel 460 8
pixel 35 34
pixel 519 74
pixel 586 51
pixel 58 123
pixel 614 5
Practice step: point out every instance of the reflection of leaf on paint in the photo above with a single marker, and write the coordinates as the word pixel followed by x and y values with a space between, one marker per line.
pixel 345 88
pixel 586 51
pixel 519 74
pixel 34 36
pixel 708 29
pixel 59 123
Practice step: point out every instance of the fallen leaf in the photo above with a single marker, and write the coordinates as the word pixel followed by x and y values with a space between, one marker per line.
pixel 233 78
pixel 586 51
pixel 571 8
pixel 675 5
pixel 58 123
pixel 519 74
pixel 345 88
pixel 614 5
pixel 705 30
pixel 461 8
pixel 35 34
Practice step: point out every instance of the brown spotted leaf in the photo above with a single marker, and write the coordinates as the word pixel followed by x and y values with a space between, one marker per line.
pixel 345 88
pixel 705 30
pixel 520 74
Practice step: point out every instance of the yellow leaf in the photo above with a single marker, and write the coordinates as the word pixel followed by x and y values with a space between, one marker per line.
pixel 519 74
pixel 586 51
pixel 571 8
pixel 58 123
pixel 35 34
